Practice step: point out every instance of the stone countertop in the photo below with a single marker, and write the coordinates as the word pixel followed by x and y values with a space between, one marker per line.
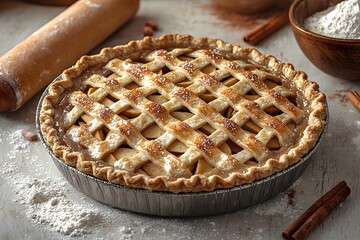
pixel 25 163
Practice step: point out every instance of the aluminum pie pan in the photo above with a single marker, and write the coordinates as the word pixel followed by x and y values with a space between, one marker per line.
pixel 168 204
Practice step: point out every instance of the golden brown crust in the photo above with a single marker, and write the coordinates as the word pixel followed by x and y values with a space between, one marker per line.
pixel 196 182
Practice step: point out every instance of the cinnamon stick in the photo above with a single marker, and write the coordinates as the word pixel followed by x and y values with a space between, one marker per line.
pixel 354 99
pixel 263 30
pixel 315 214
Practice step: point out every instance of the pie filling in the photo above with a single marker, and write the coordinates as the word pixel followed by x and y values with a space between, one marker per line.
pixel 175 113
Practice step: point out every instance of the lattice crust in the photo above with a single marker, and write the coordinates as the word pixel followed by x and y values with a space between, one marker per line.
pixel 197 115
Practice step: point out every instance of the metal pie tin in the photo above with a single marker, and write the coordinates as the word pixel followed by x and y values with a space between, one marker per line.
pixel 180 204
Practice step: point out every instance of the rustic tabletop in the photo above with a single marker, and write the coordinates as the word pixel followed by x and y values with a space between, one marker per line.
pixel 37 203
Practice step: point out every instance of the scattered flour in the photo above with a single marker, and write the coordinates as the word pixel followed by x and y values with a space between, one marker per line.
pixel 8 168
pixel 19 146
pixel 18 152
pixel 47 201
pixel 271 207
pixel 49 205
pixel 283 204
pixel 339 21
pixel 127 232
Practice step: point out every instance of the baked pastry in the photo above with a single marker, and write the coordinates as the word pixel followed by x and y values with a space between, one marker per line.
pixel 181 114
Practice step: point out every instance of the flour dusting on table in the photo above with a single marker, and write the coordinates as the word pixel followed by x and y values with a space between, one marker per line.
pixel 19 146
pixel 48 204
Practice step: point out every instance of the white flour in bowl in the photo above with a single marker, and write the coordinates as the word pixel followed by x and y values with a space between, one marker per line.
pixel 339 21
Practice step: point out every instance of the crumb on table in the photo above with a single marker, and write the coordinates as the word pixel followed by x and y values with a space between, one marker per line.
pixel 152 24
pixel 150 27
pixel 28 135
pixel 148 31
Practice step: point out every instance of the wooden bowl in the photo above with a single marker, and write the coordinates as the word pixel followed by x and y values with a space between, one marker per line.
pixel 335 56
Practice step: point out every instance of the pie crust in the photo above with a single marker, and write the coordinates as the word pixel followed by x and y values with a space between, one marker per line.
pixel 181 114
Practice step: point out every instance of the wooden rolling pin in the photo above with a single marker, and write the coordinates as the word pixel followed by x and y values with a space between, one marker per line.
pixel 53 2
pixel 35 62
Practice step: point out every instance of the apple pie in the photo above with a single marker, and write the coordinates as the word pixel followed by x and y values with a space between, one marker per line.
pixel 181 114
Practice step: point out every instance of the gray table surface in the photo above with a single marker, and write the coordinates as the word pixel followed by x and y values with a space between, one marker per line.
pixel 335 160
